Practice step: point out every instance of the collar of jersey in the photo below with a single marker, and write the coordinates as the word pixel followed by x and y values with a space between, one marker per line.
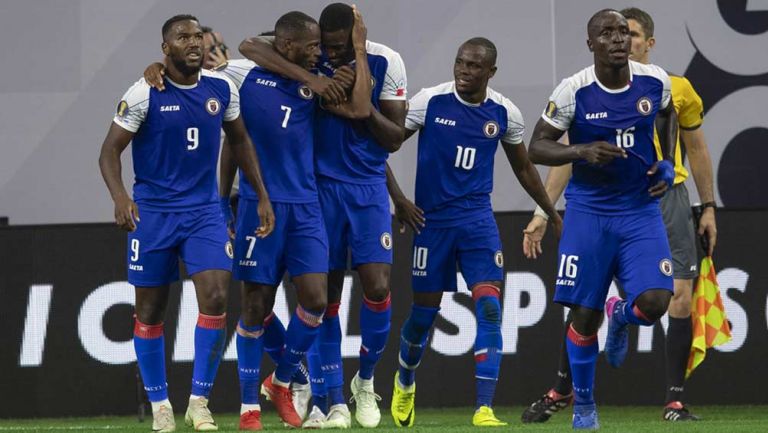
pixel 623 89
pixel 185 86
pixel 468 104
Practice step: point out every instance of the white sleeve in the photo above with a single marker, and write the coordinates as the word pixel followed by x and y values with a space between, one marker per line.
pixel 515 125
pixel 666 93
pixel 233 108
pixel 133 106
pixel 237 70
pixel 561 106
pixel 417 110
pixel 395 82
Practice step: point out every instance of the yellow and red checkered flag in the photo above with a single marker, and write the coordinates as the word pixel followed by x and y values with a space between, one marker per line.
pixel 710 325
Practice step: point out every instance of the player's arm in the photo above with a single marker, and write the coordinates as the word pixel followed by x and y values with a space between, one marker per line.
pixel 244 154
pixel 126 211
pixel 406 212
pixel 546 150
pixel 261 51
pixel 227 171
pixel 662 172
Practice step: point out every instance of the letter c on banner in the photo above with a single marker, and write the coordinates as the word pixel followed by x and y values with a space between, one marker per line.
pixel 92 336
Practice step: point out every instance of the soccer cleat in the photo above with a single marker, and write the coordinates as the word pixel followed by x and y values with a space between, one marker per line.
pixel 163 421
pixel 676 411
pixel 338 417
pixel 282 398
pixel 315 419
pixel 199 416
pixel 617 343
pixel 367 411
pixel 543 408
pixel 301 396
pixel 250 421
pixel 585 417
pixel 403 403
pixel 484 417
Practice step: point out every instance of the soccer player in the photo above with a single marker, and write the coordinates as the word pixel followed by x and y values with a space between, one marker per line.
pixel 350 157
pixel 461 123
pixel 175 137
pixel 675 208
pixel 613 225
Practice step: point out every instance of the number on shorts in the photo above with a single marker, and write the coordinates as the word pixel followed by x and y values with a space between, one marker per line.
pixel 420 258
pixel 252 242
pixel 568 264
pixel 134 250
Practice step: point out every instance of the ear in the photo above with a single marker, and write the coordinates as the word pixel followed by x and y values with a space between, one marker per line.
pixel 589 45
pixel 651 42
pixel 165 48
pixel 493 72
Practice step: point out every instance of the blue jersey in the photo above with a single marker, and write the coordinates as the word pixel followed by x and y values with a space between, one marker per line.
pixel 279 115
pixel 345 149
pixel 457 145
pixel 177 140
pixel 591 112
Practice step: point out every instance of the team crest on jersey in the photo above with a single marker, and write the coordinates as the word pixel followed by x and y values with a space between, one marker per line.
pixel 229 250
pixel 212 106
pixel 665 266
pixel 305 92
pixel 122 108
pixel 491 129
pixel 551 110
pixel 499 259
pixel 373 82
pixel 386 241
pixel 644 106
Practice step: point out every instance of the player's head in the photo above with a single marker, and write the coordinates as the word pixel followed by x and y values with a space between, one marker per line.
pixel 641 29
pixel 475 64
pixel 336 23
pixel 183 43
pixel 297 38
pixel 608 38
pixel 213 44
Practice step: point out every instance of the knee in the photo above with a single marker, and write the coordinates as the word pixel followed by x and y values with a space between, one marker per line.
pixel 654 304
pixel 378 291
pixel 586 321
pixel 316 301
pixel 680 304
pixel 253 311
pixel 149 313
pixel 213 301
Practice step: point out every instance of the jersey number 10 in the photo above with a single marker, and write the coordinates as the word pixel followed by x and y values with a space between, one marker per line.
pixel 465 157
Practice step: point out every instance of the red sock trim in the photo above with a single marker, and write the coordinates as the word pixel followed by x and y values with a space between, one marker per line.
pixel 581 340
pixel 332 310
pixel 309 319
pixel 212 322
pixel 485 290
pixel 639 314
pixel 268 320
pixel 145 331
pixel 675 405
pixel 249 334
pixel 378 307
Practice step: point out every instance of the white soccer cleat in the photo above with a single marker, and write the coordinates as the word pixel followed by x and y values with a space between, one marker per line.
pixel 163 421
pixel 367 411
pixel 199 416
pixel 315 419
pixel 338 417
pixel 301 396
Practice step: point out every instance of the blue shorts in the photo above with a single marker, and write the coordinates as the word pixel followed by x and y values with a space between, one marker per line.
pixel 596 248
pixel 198 236
pixel 357 219
pixel 475 246
pixel 297 245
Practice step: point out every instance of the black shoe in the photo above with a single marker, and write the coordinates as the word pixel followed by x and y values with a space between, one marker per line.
pixel 543 408
pixel 676 411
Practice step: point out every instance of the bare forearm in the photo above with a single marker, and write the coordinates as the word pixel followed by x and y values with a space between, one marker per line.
pixel 701 165
pixel 392 186
pixel 546 151
pixel 557 180
pixel 387 133
pixel 227 170
pixel 668 133
pixel 531 181
pixel 111 171
pixel 265 56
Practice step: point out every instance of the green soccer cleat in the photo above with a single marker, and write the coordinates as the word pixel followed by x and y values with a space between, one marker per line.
pixel 484 417
pixel 403 403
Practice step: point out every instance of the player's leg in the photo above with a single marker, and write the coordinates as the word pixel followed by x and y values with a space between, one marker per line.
pixel 319 410
pixel 582 346
pixel 433 271
pixel 678 219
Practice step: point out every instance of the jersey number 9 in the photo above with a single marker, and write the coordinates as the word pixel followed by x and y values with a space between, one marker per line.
pixel 192 138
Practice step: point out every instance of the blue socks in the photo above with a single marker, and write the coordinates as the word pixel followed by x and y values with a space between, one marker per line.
pixel 250 348
pixel 375 318
pixel 488 343
pixel 210 334
pixel 149 343
pixel 302 332
pixel 274 343
pixel 631 314
pixel 413 341
pixel 330 353
pixel 582 352
pixel 317 381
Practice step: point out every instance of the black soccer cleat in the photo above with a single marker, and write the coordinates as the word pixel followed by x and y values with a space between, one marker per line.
pixel 543 408
pixel 676 411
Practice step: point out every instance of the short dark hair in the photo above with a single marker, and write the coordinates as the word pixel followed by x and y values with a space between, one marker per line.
pixel 293 23
pixel 206 29
pixel 489 46
pixel 642 17
pixel 175 19
pixel 599 14
pixel 336 16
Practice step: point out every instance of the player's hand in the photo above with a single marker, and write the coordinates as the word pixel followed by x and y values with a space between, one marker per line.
pixel 600 152
pixel 532 236
pixel 226 209
pixel 409 215
pixel 126 214
pixel 215 59
pixel 266 218
pixel 345 76
pixel 662 175
pixel 708 227
pixel 359 32
pixel 331 91
pixel 154 74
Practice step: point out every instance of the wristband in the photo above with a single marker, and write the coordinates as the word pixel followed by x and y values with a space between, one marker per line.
pixel 540 212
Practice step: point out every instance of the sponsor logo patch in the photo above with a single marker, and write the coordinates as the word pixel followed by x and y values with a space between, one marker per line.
pixel 122 108
pixel 551 110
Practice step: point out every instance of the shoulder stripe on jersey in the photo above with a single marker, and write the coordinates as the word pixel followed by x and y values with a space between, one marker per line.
pixel 229 71
pixel 138 103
